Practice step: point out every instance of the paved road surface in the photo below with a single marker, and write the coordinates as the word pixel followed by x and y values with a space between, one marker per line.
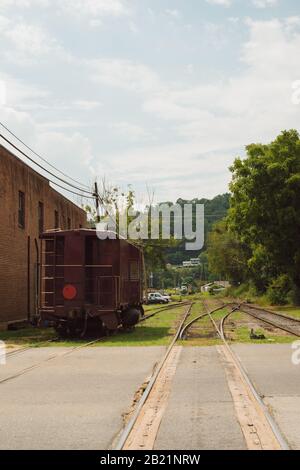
pixel 271 369
pixel 200 413
pixel 75 402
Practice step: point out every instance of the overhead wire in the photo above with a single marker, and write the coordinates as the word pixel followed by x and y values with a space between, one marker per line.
pixel 44 169
pixel 91 195
pixel 42 158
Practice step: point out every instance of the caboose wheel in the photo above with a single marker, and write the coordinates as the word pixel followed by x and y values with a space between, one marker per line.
pixel 62 330
pixel 130 317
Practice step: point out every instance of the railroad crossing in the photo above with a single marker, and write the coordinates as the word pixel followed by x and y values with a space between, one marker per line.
pixel 222 396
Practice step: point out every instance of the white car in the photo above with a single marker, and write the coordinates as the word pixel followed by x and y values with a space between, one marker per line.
pixel 157 298
pixel 167 296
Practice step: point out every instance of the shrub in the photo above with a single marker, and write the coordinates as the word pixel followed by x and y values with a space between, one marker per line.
pixel 279 289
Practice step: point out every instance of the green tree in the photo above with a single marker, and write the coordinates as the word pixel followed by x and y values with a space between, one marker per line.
pixel 265 208
pixel 227 256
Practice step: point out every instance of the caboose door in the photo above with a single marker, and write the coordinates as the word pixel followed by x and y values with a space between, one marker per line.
pixel 106 289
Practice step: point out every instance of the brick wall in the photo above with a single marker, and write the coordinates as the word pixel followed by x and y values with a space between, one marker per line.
pixel 18 250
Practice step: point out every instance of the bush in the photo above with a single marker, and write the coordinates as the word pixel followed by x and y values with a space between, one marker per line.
pixel 279 290
pixel 293 296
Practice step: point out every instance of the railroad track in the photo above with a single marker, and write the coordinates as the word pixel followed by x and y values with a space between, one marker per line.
pixel 71 350
pixel 162 309
pixel 18 351
pixel 278 320
pixel 259 427
pixel 45 361
pixel 207 312
pixel 124 438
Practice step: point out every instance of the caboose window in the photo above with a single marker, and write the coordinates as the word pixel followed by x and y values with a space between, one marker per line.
pixel 21 211
pixel 133 270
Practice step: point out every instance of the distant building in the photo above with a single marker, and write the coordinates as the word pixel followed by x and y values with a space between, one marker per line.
pixel 186 264
pixel 28 206
pixel 191 263
pixel 210 285
pixel 195 261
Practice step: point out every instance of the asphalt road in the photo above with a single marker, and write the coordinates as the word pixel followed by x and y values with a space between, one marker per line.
pixel 277 379
pixel 77 401
pixel 74 402
pixel 200 413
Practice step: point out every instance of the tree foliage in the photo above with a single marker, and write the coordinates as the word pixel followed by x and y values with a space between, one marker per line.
pixel 265 208
pixel 227 256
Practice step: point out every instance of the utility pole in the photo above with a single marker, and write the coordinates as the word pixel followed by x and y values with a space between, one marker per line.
pixel 98 218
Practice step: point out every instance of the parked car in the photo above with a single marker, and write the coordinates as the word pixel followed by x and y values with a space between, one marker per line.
pixel 166 296
pixel 157 298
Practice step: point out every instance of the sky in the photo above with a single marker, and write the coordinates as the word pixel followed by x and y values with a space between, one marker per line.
pixel 159 94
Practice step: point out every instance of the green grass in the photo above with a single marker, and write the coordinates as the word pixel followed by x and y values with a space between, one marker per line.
pixel 203 327
pixel 241 332
pixel 157 330
pixel 33 337
pixel 288 310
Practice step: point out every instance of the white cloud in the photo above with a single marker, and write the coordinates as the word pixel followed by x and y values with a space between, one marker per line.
pixel 87 105
pixel 19 93
pixel 245 105
pixel 264 3
pixel 2 93
pixel 77 7
pixel 224 3
pixel 215 120
pixel 190 131
pixel 28 42
pixel 72 153
pixel 94 8
pixel 173 13
pixel 124 74
pixel 24 3
pixel 131 132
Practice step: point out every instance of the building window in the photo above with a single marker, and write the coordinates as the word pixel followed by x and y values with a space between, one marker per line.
pixel 56 220
pixel 69 223
pixel 41 217
pixel 21 212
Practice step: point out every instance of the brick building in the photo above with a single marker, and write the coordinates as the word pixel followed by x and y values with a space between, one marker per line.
pixel 28 206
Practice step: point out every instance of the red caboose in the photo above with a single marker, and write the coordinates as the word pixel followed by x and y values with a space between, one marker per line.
pixel 87 282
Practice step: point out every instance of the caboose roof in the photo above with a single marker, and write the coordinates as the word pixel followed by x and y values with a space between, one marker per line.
pixel 87 232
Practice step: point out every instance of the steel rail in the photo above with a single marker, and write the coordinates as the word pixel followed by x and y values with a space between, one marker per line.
pixel 51 358
pixel 269 321
pixel 188 325
pixel 128 428
pixel 18 351
pixel 273 312
pixel 277 433
pixel 163 309
pixel 222 324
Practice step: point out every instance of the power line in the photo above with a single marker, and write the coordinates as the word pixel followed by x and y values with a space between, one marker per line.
pixel 43 159
pixel 44 169
pixel 51 181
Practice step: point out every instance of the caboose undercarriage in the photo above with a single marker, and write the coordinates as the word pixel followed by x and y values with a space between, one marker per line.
pixel 84 325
